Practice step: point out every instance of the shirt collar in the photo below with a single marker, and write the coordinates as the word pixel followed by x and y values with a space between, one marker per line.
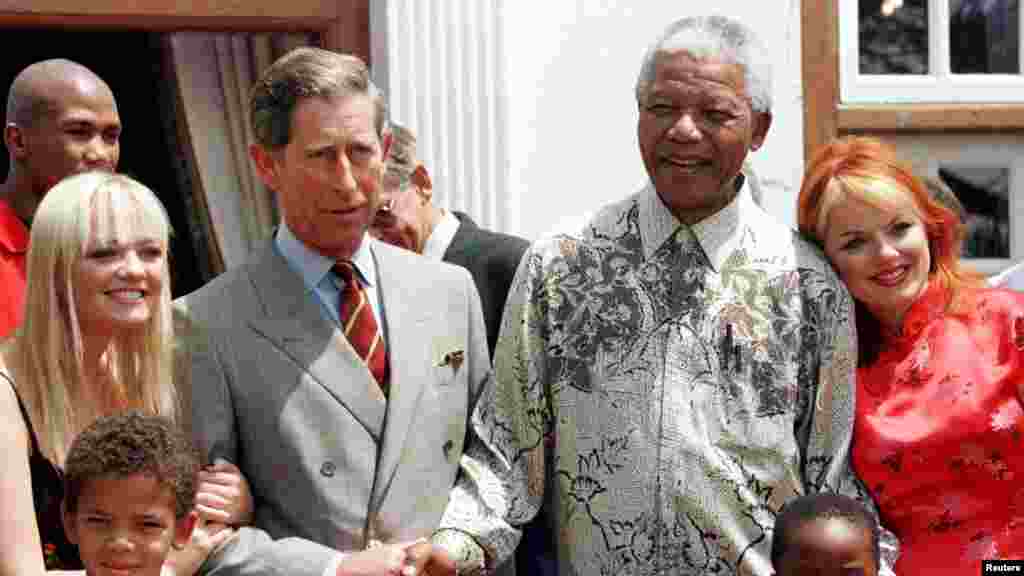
pixel 313 266
pixel 13 232
pixel 441 237
pixel 717 235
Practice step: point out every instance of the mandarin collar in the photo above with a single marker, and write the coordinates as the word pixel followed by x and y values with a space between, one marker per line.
pixel 930 305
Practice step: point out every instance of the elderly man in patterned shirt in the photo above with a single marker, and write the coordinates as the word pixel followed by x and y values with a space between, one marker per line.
pixel 672 373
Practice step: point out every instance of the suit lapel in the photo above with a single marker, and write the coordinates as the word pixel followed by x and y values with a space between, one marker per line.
pixel 461 240
pixel 292 319
pixel 408 333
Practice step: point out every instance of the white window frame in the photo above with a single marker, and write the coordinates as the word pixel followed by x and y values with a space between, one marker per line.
pixel 938 86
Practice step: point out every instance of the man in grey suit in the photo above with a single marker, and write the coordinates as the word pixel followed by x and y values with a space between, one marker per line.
pixel 337 372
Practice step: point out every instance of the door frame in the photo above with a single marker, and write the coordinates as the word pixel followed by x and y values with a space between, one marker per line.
pixel 342 25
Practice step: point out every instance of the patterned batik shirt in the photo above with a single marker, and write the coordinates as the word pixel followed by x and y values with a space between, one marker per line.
pixel 664 389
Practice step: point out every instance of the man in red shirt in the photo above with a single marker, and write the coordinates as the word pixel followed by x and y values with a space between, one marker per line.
pixel 61 119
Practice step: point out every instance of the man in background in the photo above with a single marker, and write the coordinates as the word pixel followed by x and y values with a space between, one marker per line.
pixel 408 219
pixel 61 119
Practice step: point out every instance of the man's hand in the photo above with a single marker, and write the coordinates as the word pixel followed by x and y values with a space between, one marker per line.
pixel 432 560
pixel 223 495
pixel 416 558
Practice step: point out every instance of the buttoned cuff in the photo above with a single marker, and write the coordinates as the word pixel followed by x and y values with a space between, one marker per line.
pixel 469 556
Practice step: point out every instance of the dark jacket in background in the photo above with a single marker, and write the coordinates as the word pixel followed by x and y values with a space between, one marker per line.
pixel 492 259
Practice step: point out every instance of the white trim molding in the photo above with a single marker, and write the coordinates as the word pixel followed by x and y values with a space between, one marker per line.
pixel 938 84
pixel 441 64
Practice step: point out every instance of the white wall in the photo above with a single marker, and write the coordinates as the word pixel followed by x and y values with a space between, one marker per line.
pixel 569 75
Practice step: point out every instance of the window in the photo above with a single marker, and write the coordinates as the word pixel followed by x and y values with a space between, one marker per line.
pixel 919 51
pixel 952 103
pixel 986 175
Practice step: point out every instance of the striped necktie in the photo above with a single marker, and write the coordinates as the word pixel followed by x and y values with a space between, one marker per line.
pixel 360 325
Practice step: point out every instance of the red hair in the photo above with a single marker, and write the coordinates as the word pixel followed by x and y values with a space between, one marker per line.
pixel 848 167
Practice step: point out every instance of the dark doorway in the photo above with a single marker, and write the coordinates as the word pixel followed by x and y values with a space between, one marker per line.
pixel 132 63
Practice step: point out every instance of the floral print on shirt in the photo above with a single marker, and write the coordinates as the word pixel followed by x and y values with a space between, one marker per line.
pixel 664 389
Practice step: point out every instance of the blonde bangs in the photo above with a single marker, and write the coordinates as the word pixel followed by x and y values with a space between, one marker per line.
pixel 46 355
pixel 121 213
pixel 874 190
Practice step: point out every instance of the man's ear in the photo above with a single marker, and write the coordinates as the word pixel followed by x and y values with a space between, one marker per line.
pixel 14 138
pixel 762 122
pixel 183 528
pixel 421 179
pixel 265 162
pixel 68 519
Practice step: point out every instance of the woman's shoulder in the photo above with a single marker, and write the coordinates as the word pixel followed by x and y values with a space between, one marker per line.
pixel 993 299
pixel 13 423
pixel 997 310
pixel 8 390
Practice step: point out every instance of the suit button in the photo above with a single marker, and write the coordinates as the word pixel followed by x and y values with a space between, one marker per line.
pixel 328 469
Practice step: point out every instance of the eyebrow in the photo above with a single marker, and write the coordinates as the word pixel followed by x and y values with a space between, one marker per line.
pixel 114 242
pixel 94 512
pixel 852 231
pixel 89 119
pixel 322 145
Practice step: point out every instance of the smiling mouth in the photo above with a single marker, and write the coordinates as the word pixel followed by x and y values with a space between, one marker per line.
pixel 127 294
pixel 120 569
pixel 892 276
pixel 687 164
pixel 345 211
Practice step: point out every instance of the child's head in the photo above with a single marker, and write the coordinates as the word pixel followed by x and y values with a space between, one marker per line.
pixel 129 486
pixel 825 534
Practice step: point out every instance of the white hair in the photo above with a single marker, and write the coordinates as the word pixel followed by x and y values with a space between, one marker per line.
pixel 714 37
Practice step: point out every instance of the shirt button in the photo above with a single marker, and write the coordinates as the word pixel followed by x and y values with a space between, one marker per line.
pixel 328 469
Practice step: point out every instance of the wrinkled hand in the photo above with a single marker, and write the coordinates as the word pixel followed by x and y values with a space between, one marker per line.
pixel 416 558
pixel 431 560
pixel 206 537
pixel 223 495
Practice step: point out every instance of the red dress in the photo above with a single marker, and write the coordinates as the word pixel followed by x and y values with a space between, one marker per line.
pixel 939 433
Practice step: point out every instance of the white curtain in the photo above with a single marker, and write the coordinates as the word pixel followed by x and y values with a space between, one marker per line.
pixel 213 73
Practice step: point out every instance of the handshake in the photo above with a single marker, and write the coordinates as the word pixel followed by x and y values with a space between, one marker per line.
pixel 415 558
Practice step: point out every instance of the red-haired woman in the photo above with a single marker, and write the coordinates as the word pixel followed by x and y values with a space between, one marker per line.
pixel 939 432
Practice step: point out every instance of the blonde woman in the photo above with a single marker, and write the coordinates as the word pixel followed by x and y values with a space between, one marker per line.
pixel 96 339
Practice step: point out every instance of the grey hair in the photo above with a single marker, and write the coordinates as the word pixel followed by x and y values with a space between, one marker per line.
pixel 401 161
pixel 714 36
pixel 307 72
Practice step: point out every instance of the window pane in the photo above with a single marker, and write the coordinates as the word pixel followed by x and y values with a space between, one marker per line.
pixel 983 194
pixel 893 36
pixel 984 36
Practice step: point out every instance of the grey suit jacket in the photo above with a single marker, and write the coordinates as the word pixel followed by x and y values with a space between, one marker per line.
pixel 278 390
